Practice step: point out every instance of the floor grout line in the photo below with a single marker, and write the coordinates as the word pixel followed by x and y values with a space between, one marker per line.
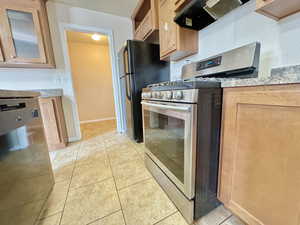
pixel 43 218
pixel 85 185
pixel 104 217
pixel 117 190
pixel 63 211
pixel 138 182
pixel 165 217
pixel 226 219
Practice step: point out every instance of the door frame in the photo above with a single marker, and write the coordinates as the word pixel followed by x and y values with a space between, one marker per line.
pixel 64 27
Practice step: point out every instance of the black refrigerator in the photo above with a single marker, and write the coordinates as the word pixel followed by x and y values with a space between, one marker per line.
pixel 140 65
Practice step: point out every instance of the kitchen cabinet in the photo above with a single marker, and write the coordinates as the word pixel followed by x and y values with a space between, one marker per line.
pixel 179 4
pixel 1 54
pixel 145 20
pixel 25 34
pixel 54 122
pixel 175 42
pixel 277 9
pixel 259 177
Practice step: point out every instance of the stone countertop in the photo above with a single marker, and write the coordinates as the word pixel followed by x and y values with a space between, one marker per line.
pixel 284 75
pixel 47 93
pixel 17 94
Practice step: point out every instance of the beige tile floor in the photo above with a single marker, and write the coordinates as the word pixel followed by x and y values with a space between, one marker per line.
pixel 102 180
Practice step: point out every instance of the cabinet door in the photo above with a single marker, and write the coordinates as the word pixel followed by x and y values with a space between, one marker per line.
pixel 1 54
pixel 50 121
pixel 167 28
pixel 22 36
pixel 260 169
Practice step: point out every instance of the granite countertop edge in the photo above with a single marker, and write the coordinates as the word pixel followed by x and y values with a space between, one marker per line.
pixel 279 76
pixel 48 93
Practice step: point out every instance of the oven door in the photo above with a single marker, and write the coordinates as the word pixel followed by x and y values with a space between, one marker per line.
pixel 170 140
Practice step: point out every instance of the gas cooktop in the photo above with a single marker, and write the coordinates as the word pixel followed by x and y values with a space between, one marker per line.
pixel 184 85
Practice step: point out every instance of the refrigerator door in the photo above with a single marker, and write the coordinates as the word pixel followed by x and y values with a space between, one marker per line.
pixel 141 66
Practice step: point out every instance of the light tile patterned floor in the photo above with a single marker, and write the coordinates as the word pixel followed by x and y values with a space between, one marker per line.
pixel 102 180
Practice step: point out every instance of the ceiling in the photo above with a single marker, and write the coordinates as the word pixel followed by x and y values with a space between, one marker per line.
pixel 74 36
pixel 116 7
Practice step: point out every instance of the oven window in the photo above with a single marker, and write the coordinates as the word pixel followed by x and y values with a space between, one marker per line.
pixel 165 139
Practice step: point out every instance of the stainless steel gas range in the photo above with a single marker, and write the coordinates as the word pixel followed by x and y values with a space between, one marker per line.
pixel 182 123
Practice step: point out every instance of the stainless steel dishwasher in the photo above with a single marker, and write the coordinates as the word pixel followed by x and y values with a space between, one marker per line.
pixel 26 176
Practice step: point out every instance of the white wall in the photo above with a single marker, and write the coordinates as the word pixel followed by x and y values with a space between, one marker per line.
pixel 26 79
pixel 280 40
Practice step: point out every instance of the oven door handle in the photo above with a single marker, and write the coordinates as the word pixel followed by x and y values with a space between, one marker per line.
pixel 179 108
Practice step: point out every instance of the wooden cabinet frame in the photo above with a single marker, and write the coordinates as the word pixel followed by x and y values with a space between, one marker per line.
pixel 54 122
pixel 259 177
pixel 277 9
pixel 11 55
pixel 1 54
pixel 148 25
pixel 175 42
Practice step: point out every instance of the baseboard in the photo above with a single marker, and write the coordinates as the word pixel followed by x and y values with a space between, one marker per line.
pixel 74 139
pixel 98 120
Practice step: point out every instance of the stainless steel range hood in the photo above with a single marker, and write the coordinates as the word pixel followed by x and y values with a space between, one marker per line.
pixel 197 14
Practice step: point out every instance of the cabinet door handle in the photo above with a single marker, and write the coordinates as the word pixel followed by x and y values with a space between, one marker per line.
pixel 166 26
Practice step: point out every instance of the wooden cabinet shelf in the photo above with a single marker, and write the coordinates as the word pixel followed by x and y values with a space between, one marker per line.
pixel 24 34
pixel 259 178
pixel 277 9
pixel 145 19
pixel 175 42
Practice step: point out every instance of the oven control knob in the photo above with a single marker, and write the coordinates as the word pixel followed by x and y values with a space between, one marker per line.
pixel 168 95
pixel 159 95
pixel 146 95
pixel 178 95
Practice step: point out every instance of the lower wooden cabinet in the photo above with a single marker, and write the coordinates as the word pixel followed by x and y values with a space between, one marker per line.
pixel 54 122
pixel 259 176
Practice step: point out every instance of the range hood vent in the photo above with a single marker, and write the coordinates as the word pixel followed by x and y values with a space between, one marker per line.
pixel 198 14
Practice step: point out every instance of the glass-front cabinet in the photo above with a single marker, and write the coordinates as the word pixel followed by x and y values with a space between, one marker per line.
pixel 25 35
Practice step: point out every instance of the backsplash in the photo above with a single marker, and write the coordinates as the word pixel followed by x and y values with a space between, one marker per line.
pixel 280 45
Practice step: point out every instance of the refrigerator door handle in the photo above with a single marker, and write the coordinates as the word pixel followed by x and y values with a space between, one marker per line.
pixel 128 87
pixel 126 61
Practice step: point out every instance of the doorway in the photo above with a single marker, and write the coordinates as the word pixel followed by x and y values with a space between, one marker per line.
pixel 91 71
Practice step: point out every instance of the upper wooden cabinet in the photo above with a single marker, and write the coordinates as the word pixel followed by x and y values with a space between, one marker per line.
pixel 277 9
pixel 25 35
pixel 145 19
pixel 179 4
pixel 175 42
pixel 259 178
